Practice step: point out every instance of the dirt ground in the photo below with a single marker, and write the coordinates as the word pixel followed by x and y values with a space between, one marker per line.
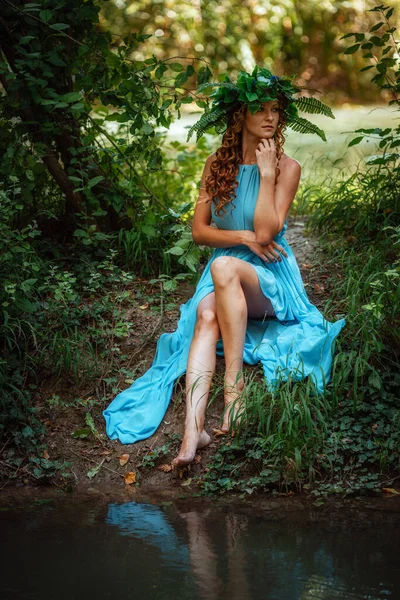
pixel 96 460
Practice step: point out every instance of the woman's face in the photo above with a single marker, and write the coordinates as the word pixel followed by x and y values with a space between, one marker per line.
pixel 264 122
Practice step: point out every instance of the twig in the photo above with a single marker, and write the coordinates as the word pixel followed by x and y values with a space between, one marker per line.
pixel 93 461
pixel 151 335
pixel 6 444
pixel 391 479
pixel 142 183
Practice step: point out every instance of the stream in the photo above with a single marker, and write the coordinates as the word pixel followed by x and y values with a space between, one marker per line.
pixel 198 549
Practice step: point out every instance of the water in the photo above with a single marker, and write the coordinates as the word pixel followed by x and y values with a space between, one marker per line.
pixel 199 550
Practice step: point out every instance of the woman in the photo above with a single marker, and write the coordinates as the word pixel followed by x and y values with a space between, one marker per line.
pixel 251 293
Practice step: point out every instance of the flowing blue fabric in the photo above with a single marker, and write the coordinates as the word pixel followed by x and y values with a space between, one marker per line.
pixel 298 341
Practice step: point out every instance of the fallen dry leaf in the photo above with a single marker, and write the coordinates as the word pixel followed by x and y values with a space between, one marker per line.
pixel 144 306
pixel 123 459
pixel 319 288
pixel 45 454
pixel 130 477
pixel 197 459
pixel 219 432
pixel 105 452
pixel 306 266
pixel 390 491
pixel 166 468
pixel 187 482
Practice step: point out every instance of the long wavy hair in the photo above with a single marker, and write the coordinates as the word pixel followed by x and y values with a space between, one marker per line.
pixel 221 182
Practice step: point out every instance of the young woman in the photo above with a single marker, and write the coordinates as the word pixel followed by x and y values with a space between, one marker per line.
pixel 249 143
pixel 250 304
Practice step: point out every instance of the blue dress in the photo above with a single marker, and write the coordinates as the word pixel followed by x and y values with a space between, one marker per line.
pixel 297 341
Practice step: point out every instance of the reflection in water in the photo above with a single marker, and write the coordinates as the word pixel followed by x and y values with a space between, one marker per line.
pixel 147 522
pixel 236 557
pixel 143 551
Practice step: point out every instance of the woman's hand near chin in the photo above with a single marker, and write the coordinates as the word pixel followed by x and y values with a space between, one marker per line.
pixel 266 158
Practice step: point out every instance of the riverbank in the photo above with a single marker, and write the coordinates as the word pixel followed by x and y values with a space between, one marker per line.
pixel 77 455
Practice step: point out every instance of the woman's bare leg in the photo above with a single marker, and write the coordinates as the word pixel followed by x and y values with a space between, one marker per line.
pixel 237 296
pixel 199 372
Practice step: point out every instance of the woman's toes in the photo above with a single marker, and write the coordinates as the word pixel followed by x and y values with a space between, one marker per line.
pixel 191 442
pixel 182 461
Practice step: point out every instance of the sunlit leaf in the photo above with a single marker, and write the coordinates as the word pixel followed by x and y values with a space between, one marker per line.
pixel 130 477
pixel 123 459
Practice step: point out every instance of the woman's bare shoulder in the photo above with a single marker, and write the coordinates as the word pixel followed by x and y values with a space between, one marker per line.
pixel 289 163
pixel 211 158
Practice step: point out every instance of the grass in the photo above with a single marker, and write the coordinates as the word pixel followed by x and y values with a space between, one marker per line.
pixel 346 441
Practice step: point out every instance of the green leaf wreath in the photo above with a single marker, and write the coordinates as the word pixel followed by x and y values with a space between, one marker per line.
pixel 254 89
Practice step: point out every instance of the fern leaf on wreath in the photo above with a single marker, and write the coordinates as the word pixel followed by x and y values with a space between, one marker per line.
pixel 313 106
pixel 206 120
pixel 304 126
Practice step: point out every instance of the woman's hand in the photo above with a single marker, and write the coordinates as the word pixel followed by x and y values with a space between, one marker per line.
pixel 268 252
pixel 266 158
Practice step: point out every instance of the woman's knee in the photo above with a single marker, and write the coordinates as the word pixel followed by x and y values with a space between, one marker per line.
pixel 207 323
pixel 223 270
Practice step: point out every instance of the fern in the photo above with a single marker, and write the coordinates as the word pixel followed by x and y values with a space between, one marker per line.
pixel 314 106
pixel 304 126
pixel 206 120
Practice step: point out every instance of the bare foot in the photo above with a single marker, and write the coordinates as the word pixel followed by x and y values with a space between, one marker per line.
pixel 233 404
pixel 192 440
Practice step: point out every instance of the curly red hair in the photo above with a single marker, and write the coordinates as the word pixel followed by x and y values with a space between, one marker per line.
pixel 221 182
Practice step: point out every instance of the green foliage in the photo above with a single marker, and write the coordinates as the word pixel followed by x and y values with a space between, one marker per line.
pixel 72 85
pixel 294 443
pixel 348 441
pixel 382 53
pixel 284 36
pixel 314 106
pixel 149 460
pixel 303 126
pixel 254 89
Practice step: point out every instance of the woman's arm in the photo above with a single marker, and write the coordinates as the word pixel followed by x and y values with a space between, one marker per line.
pixel 273 201
pixel 203 233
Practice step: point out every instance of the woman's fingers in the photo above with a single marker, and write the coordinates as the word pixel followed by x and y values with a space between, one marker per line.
pixel 268 253
pixel 271 256
pixel 271 250
pixel 282 250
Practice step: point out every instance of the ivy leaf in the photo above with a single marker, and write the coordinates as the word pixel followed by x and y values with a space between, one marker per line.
pixel 93 472
pixel 176 251
pixel 181 79
pixel 26 38
pixel 170 285
pixel 377 41
pixel 356 141
pixel 177 67
pixel 377 26
pixel 94 181
pixel 81 433
pixel 352 49
pixel 71 97
pixel 46 15
pixel 59 26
